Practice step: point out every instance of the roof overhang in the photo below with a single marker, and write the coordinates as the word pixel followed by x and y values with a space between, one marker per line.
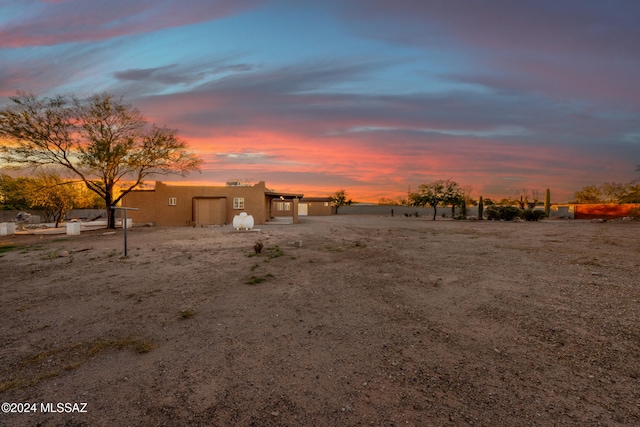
pixel 283 196
pixel 317 199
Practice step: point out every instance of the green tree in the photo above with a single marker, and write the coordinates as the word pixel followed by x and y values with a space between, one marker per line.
pixel 509 201
pixel 339 198
pixel 385 201
pixel 613 192
pixel 12 194
pixel 609 192
pixel 633 191
pixel 56 196
pixel 47 192
pixel 589 194
pixel 435 193
pixel 105 142
pixel 632 194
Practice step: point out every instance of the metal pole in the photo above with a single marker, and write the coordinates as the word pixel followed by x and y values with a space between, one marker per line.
pixel 124 224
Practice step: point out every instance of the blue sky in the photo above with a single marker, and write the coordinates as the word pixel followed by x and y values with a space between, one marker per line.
pixel 370 96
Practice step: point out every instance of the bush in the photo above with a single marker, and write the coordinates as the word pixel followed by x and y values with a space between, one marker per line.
pixel 509 213
pixel 504 213
pixel 533 215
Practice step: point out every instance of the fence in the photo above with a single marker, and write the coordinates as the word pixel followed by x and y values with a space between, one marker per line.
pixel 570 211
pixel 86 214
pixel 397 210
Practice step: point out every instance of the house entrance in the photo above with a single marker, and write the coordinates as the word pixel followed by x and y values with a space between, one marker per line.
pixel 209 211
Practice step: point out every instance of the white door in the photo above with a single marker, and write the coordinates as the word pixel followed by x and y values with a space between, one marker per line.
pixel 303 209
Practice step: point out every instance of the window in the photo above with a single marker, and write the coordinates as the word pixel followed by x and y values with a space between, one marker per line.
pixel 284 206
pixel 172 201
pixel 326 204
pixel 238 203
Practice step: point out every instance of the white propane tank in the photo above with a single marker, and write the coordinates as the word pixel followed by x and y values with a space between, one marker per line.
pixel 243 221
pixel 237 221
pixel 247 222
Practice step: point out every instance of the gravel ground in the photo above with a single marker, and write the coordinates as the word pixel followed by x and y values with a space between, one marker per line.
pixel 341 320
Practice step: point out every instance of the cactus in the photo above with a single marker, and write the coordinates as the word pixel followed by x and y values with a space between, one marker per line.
pixel 547 203
pixel 480 208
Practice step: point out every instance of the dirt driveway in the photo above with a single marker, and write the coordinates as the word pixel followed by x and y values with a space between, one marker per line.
pixel 339 321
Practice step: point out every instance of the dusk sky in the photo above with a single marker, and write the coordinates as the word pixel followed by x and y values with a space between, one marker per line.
pixel 370 96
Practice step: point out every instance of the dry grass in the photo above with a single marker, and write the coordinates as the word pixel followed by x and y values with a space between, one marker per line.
pixel 50 363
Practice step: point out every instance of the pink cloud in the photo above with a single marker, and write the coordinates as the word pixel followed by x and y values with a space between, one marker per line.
pixel 376 146
pixel 57 22
pixel 373 171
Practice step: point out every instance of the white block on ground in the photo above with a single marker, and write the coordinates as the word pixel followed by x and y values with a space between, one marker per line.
pixel 73 228
pixel 129 223
pixel 7 228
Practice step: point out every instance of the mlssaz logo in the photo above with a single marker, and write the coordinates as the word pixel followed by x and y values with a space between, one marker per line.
pixel 63 407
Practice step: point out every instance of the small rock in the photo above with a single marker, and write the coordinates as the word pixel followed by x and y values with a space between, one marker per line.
pixel 63 254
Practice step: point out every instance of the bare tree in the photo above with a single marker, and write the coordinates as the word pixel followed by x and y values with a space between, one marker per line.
pixel 103 141
pixel 339 198
pixel 526 198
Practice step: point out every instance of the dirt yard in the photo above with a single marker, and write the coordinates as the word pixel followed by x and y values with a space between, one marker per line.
pixel 339 321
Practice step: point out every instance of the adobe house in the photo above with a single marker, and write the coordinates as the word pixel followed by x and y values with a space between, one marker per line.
pixel 311 206
pixel 191 205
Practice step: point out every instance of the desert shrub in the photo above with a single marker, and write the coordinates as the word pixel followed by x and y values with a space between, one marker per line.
pixel 532 215
pixel 187 313
pixel 505 213
pixel 491 213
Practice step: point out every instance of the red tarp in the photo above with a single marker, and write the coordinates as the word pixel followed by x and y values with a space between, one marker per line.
pixel 608 211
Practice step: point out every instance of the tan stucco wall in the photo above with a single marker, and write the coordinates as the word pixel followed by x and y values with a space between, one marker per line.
pixel 154 205
pixel 317 207
pixel 281 212
pixel 209 210
pixel 145 201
